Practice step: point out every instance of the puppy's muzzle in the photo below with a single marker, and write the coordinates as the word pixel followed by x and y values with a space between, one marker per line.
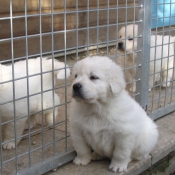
pixel 120 46
pixel 77 87
pixel 77 90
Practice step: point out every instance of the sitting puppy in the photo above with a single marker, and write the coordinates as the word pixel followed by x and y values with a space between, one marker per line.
pixel 31 94
pixel 161 57
pixel 105 119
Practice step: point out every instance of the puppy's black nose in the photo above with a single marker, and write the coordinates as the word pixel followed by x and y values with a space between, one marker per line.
pixel 120 44
pixel 77 86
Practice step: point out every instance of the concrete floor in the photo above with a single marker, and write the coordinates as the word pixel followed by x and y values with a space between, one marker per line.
pixel 164 146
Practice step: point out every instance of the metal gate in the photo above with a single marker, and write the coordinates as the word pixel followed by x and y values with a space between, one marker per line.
pixel 160 101
pixel 70 30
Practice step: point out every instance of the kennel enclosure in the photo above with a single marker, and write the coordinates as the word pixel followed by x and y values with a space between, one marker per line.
pixel 70 30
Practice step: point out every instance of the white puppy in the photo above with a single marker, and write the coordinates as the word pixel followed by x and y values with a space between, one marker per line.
pixel 38 88
pixel 161 57
pixel 105 119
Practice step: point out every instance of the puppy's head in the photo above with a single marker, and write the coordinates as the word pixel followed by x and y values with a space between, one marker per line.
pixel 127 35
pixel 96 79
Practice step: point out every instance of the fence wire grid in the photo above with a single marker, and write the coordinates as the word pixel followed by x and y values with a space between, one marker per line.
pixel 48 31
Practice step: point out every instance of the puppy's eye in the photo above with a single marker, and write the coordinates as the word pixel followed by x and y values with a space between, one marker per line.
pixel 75 75
pixel 130 39
pixel 93 77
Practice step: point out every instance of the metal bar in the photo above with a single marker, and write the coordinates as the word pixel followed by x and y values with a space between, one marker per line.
pixel 36 132
pixel 49 164
pixel 155 49
pixel 44 72
pixel 117 29
pixel 162 111
pixel 165 30
pixel 107 32
pixel 144 56
pixel 67 12
pixel 27 96
pixel 27 75
pixel 34 113
pixel 171 99
pixel 61 31
pixel 53 78
pixel 65 81
pixel 126 36
pixel 133 55
pixel 162 3
pixel 87 28
pixel 162 51
pixel 98 14
pixel 13 85
pixel 167 67
pixel 33 150
pixel 41 69
pixel 69 51
pixel 77 24
pixel 156 98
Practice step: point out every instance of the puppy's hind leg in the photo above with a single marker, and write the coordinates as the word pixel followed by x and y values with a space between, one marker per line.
pixel 151 83
pixel 49 117
pixel 32 122
pixel 9 133
pixel 166 77
pixel 50 114
pixel 167 71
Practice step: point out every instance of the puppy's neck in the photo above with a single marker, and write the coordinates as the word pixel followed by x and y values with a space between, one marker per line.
pixel 101 107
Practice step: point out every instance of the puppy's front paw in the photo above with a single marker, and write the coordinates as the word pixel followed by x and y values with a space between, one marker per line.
pixel 132 89
pixel 118 167
pixel 81 161
pixel 10 145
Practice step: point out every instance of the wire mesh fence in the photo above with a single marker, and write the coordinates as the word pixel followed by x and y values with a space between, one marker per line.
pixel 35 92
pixel 161 96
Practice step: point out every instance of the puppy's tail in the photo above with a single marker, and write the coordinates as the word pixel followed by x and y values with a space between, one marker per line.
pixel 63 73
pixel 61 70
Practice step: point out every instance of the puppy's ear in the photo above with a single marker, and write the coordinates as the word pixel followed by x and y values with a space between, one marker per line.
pixel 116 79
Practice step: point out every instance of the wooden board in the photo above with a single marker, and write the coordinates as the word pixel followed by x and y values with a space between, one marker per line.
pixel 34 28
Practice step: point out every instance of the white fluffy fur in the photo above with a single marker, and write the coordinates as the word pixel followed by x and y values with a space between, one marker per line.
pixel 20 89
pixel 159 53
pixel 105 119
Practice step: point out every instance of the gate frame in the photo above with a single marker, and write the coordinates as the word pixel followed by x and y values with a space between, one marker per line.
pixel 142 75
pixel 143 56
